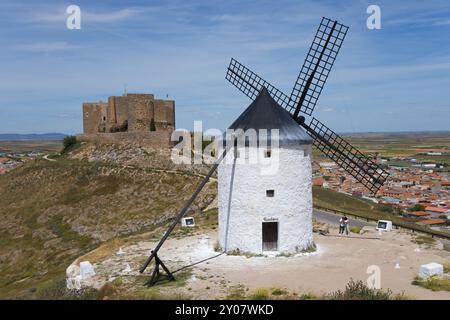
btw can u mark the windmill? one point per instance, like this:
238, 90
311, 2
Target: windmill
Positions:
303, 98
297, 106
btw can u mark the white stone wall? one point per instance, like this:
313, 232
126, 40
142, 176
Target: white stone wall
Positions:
243, 204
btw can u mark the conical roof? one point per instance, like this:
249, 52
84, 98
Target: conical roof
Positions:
265, 113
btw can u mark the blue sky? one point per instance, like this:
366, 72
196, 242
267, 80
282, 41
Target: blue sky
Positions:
393, 79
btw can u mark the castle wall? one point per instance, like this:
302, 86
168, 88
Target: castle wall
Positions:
94, 117
139, 112
244, 205
149, 139
164, 114
117, 111
135, 110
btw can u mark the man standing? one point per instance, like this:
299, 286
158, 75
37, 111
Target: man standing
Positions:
341, 225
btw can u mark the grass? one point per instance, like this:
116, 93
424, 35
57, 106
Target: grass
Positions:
355, 229
358, 290
53, 212
259, 294
433, 283
424, 240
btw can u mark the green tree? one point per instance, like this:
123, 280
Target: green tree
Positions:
68, 142
417, 207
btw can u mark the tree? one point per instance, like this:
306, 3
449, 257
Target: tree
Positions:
417, 207
68, 142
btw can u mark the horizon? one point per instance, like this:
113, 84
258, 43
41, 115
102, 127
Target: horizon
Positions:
390, 80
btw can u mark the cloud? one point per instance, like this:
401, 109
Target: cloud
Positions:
47, 46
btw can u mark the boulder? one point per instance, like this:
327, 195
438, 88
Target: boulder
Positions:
73, 277
431, 269
86, 270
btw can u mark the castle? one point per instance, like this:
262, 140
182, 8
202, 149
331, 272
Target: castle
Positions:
131, 112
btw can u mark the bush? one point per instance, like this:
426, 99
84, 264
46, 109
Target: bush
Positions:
433, 283
417, 207
259, 294
68, 142
358, 290
355, 229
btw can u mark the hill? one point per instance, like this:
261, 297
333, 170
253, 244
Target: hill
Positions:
53, 211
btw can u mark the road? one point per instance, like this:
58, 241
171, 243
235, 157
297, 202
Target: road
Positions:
333, 219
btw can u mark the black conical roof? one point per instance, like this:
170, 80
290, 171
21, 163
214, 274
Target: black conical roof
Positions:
265, 113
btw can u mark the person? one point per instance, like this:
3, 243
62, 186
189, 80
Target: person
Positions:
341, 225
345, 225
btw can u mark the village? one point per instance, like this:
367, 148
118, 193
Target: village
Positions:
418, 192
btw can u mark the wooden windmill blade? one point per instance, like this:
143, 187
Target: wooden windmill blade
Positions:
359, 166
317, 66
251, 84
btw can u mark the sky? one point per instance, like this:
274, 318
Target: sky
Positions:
396, 78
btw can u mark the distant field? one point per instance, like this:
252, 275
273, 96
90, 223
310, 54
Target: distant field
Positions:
45, 146
401, 144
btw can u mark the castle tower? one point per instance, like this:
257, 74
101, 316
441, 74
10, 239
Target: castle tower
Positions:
264, 210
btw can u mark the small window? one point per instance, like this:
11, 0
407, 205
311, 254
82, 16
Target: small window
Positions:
267, 153
270, 193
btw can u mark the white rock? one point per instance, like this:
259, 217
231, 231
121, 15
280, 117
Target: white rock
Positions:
86, 270
431, 269
73, 277
127, 269
397, 265
120, 251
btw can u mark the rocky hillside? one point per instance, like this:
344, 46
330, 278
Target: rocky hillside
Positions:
53, 211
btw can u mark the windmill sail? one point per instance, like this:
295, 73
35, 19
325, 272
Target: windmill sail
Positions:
317, 66
359, 166
303, 99
251, 84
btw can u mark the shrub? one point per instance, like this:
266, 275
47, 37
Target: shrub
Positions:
417, 207
279, 292
355, 229
433, 283
358, 290
69, 142
259, 294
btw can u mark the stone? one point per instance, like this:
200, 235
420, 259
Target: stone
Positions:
86, 270
73, 277
431, 269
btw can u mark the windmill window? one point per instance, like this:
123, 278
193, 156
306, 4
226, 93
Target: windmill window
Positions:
270, 193
268, 153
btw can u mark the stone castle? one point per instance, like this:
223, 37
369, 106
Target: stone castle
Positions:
132, 112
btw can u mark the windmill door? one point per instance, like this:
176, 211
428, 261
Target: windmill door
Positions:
270, 236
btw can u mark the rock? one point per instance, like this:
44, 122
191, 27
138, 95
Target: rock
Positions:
431, 269
73, 277
86, 270
127, 269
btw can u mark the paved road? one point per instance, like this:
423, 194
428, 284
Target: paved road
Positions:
333, 219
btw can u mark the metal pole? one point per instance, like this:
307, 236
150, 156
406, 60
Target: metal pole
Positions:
183, 210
